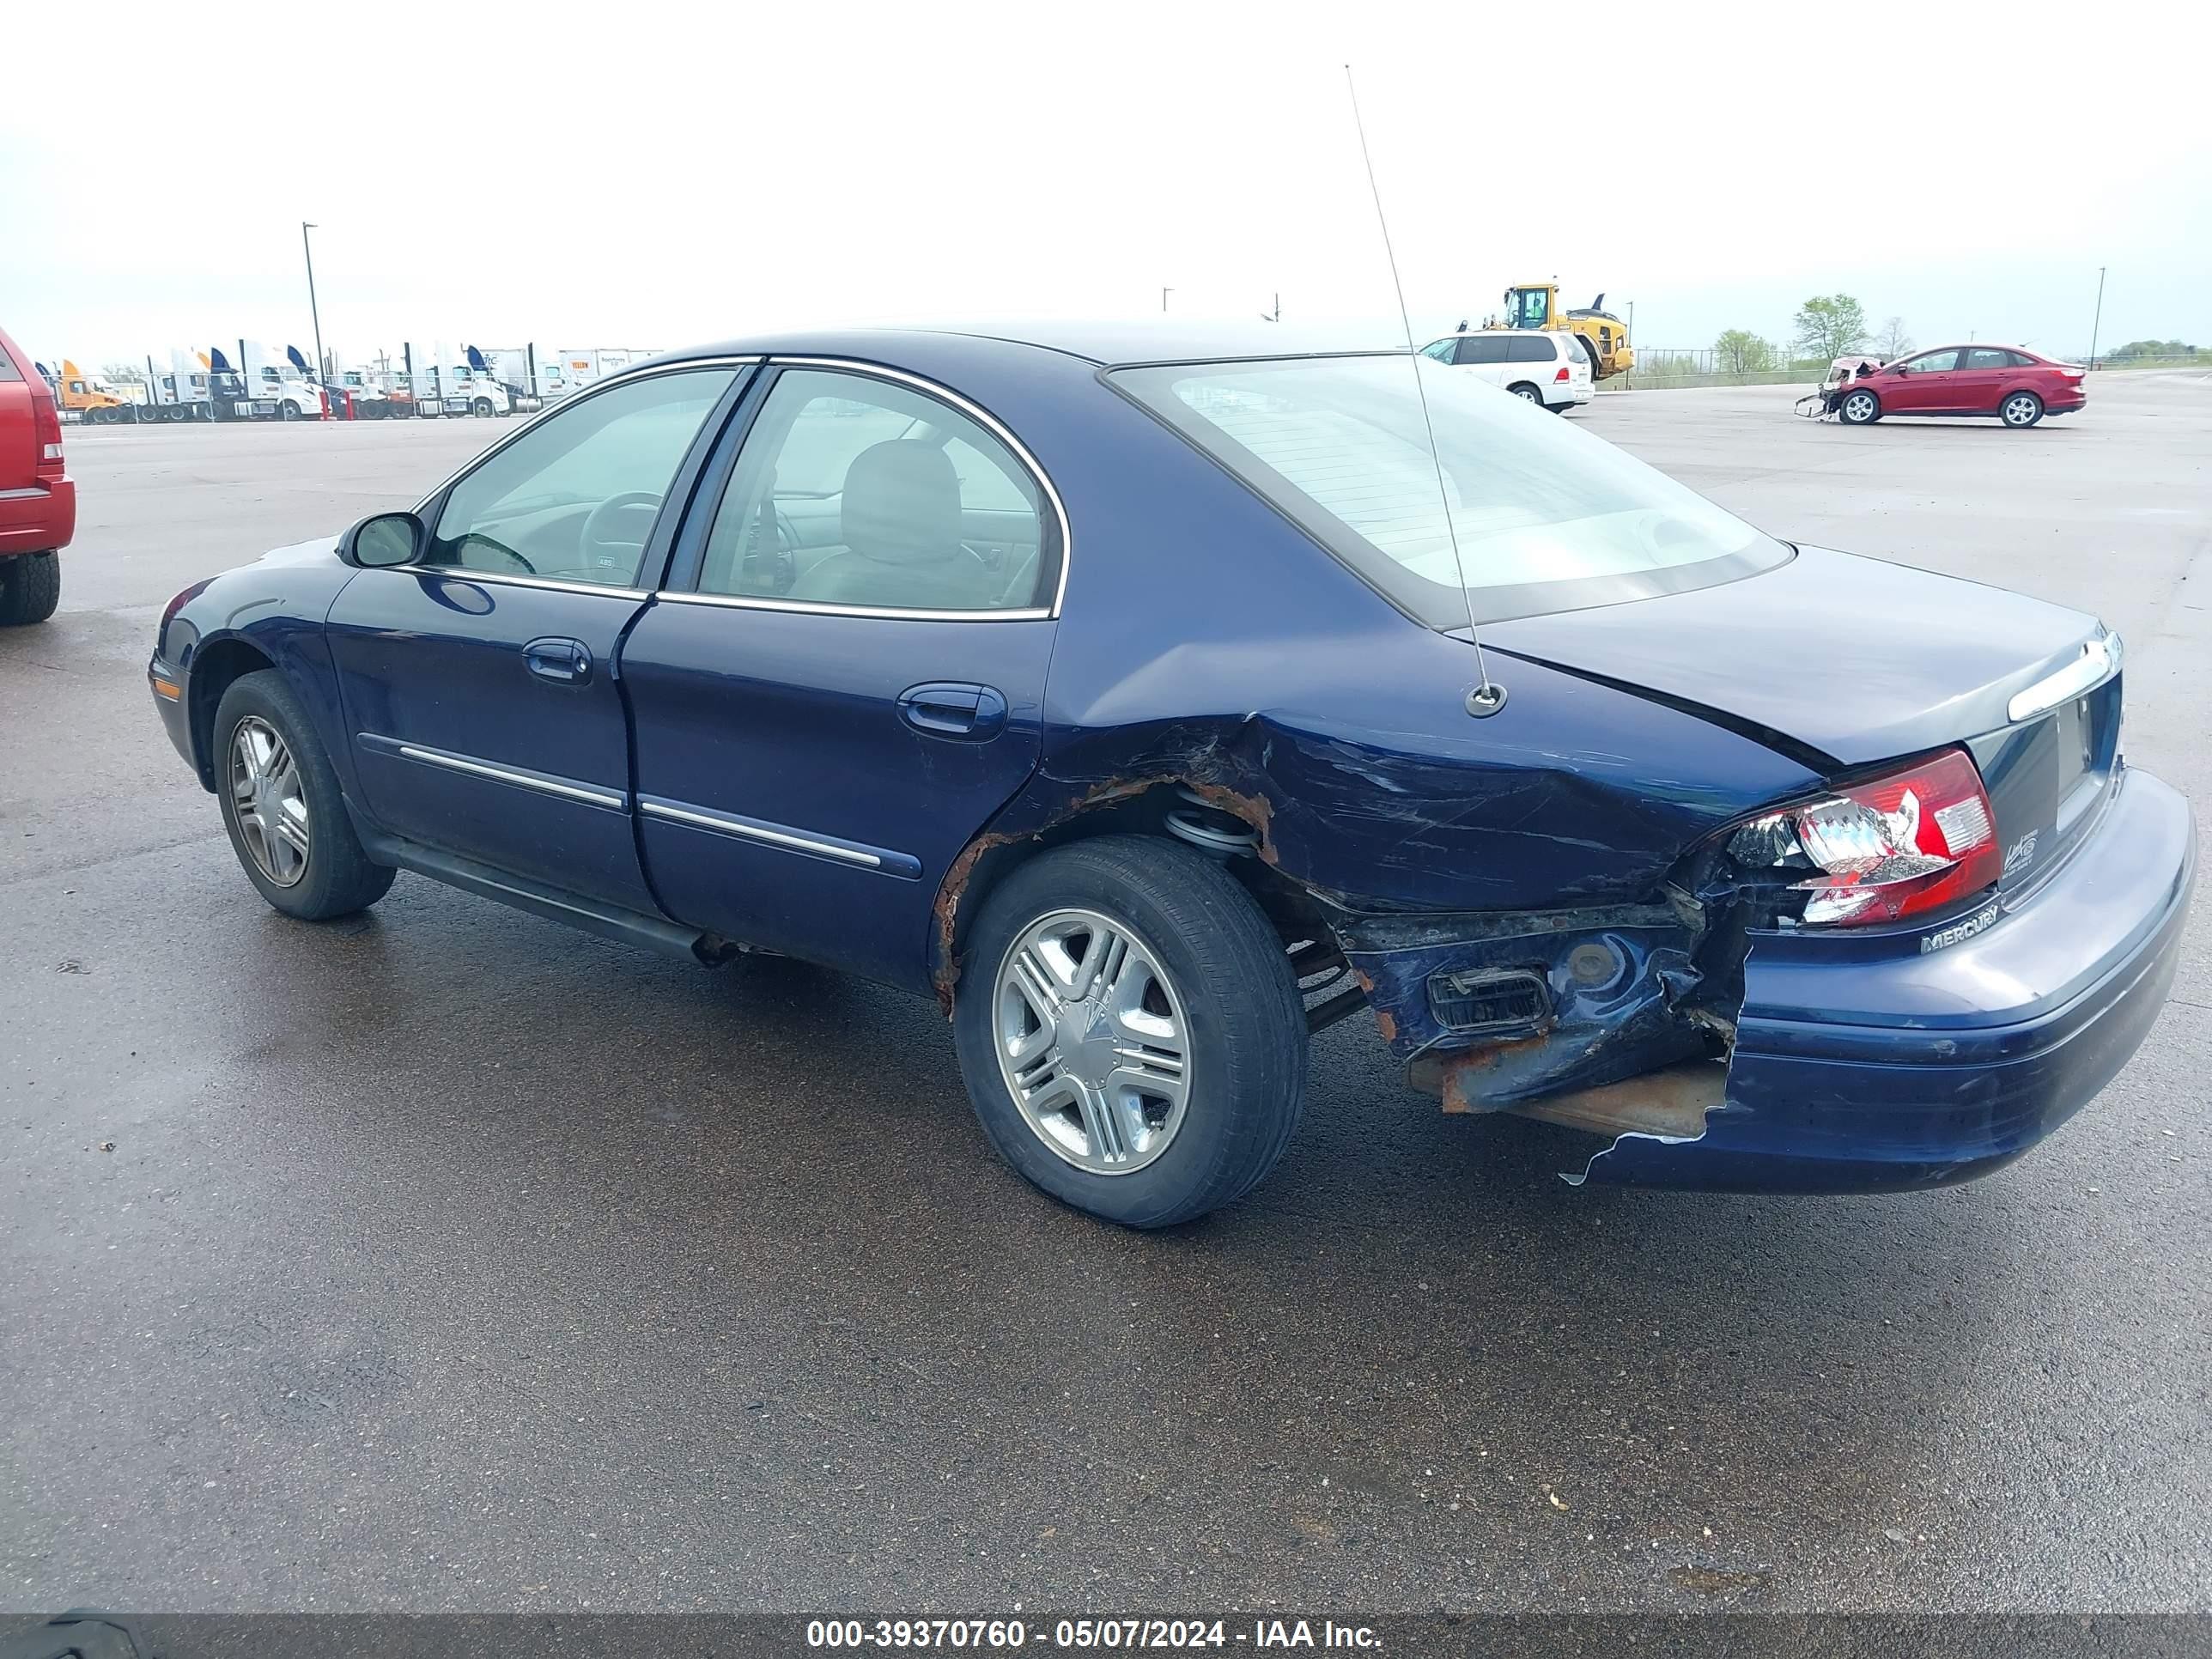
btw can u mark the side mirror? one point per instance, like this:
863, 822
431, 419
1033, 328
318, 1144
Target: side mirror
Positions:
385, 539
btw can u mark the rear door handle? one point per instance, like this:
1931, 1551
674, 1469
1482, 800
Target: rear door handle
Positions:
565, 661
957, 709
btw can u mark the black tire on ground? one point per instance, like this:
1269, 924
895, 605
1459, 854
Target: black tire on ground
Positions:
339, 879
482, 409
1525, 389
1866, 405
30, 588
1246, 1043
291, 411
2028, 406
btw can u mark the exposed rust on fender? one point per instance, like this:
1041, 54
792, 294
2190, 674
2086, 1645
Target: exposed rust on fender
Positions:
1387, 1025
1253, 810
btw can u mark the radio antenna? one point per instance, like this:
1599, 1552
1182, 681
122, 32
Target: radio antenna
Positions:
1487, 697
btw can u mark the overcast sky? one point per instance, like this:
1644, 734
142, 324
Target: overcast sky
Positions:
626, 174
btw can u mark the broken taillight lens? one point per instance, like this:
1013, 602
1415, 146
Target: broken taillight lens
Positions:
1913, 840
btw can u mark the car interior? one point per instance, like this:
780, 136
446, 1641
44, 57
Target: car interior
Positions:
855, 492
848, 491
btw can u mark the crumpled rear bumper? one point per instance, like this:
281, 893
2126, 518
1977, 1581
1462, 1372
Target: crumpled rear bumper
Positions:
1878, 1074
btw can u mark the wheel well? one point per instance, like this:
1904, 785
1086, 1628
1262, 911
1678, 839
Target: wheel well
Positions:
991, 858
1517, 386
213, 670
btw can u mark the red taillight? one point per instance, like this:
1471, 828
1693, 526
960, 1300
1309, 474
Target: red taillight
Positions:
1892, 846
46, 422
1563, 373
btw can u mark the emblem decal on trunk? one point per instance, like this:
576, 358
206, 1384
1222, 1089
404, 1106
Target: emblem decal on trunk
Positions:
2020, 853
1982, 919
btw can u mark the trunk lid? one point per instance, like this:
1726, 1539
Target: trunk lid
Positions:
1855, 658
1843, 662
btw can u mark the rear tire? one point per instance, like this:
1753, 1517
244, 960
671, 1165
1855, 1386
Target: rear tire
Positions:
30, 588
2020, 411
1188, 966
1525, 389
275, 765
1858, 408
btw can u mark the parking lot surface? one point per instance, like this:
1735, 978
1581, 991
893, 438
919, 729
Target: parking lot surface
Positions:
447, 1258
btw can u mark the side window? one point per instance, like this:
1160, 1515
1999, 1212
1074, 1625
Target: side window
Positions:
852, 490
2019, 359
1576, 349
1989, 358
1439, 349
1482, 348
574, 497
1933, 362
1530, 349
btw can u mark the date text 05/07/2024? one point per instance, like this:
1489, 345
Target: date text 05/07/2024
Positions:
1007, 1635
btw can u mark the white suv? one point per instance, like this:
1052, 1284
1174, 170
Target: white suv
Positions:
1547, 366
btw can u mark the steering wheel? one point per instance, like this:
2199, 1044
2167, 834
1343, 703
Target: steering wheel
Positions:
471, 540
604, 538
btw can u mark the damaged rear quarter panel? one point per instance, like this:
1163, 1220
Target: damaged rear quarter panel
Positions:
1290, 693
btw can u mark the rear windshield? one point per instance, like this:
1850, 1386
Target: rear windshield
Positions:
1548, 518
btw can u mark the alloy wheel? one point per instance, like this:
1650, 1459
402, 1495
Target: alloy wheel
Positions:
2019, 411
269, 801
1092, 1041
1859, 405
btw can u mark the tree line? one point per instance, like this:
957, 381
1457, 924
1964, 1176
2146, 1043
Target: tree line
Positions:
1827, 326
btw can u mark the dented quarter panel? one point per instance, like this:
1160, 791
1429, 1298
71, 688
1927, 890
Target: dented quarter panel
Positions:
1330, 720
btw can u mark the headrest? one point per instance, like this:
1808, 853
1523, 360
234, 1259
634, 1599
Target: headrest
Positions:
902, 503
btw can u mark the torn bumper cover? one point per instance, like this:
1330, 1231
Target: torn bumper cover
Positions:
1869, 1063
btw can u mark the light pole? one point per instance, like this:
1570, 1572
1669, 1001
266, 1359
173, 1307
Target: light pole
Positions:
1164, 297
321, 370
2099, 318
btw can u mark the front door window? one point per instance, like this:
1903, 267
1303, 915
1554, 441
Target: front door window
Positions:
574, 497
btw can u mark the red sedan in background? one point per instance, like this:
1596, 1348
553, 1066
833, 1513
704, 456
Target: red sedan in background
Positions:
2014, 385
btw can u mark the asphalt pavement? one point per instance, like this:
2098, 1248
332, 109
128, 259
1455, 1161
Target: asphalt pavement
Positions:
446, 1258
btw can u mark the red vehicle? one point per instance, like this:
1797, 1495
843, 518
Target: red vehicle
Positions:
38, 498
2015, 386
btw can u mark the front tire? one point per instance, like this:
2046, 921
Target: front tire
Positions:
1130, 1030
2021, 410
1859, 408
30, 588
291, 412
482, 409
282, 805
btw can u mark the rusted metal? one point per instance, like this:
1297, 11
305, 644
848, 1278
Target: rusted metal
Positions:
1253, 810
1671, 1101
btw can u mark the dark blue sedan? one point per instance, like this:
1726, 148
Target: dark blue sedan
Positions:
1121, 690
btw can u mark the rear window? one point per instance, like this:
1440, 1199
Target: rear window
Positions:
1547, 517
1530, 349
